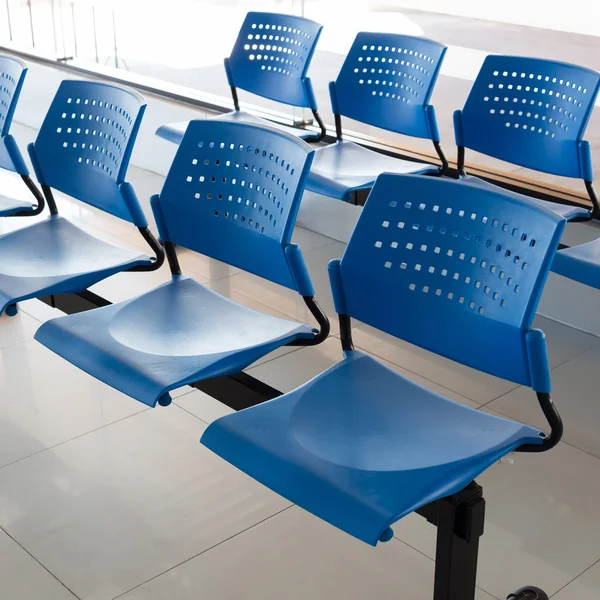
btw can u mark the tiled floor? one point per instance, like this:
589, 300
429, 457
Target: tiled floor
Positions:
101, 498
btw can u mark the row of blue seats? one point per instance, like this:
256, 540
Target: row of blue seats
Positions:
447, 265
527, 111
453, 266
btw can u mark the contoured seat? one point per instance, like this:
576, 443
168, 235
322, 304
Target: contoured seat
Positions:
232, 193
270, 58
386, 81
447, 266
12, 76
83, 150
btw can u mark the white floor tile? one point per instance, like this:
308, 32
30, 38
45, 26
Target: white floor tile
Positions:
585, 587
203, 406
223, 287
182, 391
13, 186
292, 370
40, 311
87, 214
297, 557
288, 301
468, 382
575, 392
146, 184
17, 329
563, 342
112, 509
44, 401
8, 224
215, 270
309, 240
209, 268
128, 285
22, 578
571, 302
542, 522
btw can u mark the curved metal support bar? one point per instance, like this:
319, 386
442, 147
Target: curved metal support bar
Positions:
442, 157
172, 258
50, 199
234, 97
460, 161
593, 194
324, 327
157, 263
555, 422
338, 127
319, 121
41, 204
346, 333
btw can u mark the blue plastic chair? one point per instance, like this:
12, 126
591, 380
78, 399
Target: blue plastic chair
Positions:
385, 81
82, 150
12, 76
534, 113
447, 266
270, 58
232, 193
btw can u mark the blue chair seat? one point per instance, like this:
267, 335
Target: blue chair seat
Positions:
564, 210
580, 263
10, 206
176, 334
55, 256
173, 132
361, 446
343, 167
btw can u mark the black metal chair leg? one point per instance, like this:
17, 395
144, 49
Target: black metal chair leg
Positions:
459, 520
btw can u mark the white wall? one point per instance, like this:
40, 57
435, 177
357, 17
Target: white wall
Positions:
577, 16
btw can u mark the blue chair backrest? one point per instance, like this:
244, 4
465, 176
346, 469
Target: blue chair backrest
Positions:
232, 193
271, 57
387, 80
85, 143
531, 112
12, 76
452, 268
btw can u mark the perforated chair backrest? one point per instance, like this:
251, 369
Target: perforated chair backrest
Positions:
12, 76
85, 143
271, 57
232, 193
387, 81
450, 267
531, 112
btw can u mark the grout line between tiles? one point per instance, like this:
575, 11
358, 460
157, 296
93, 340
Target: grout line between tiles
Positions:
73, 438
184, 393
501, 396
190, 413
433, 561
21, 343
564, 362
41, 564
562, 441
575, 578
264, 362
418, 374
205, 551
